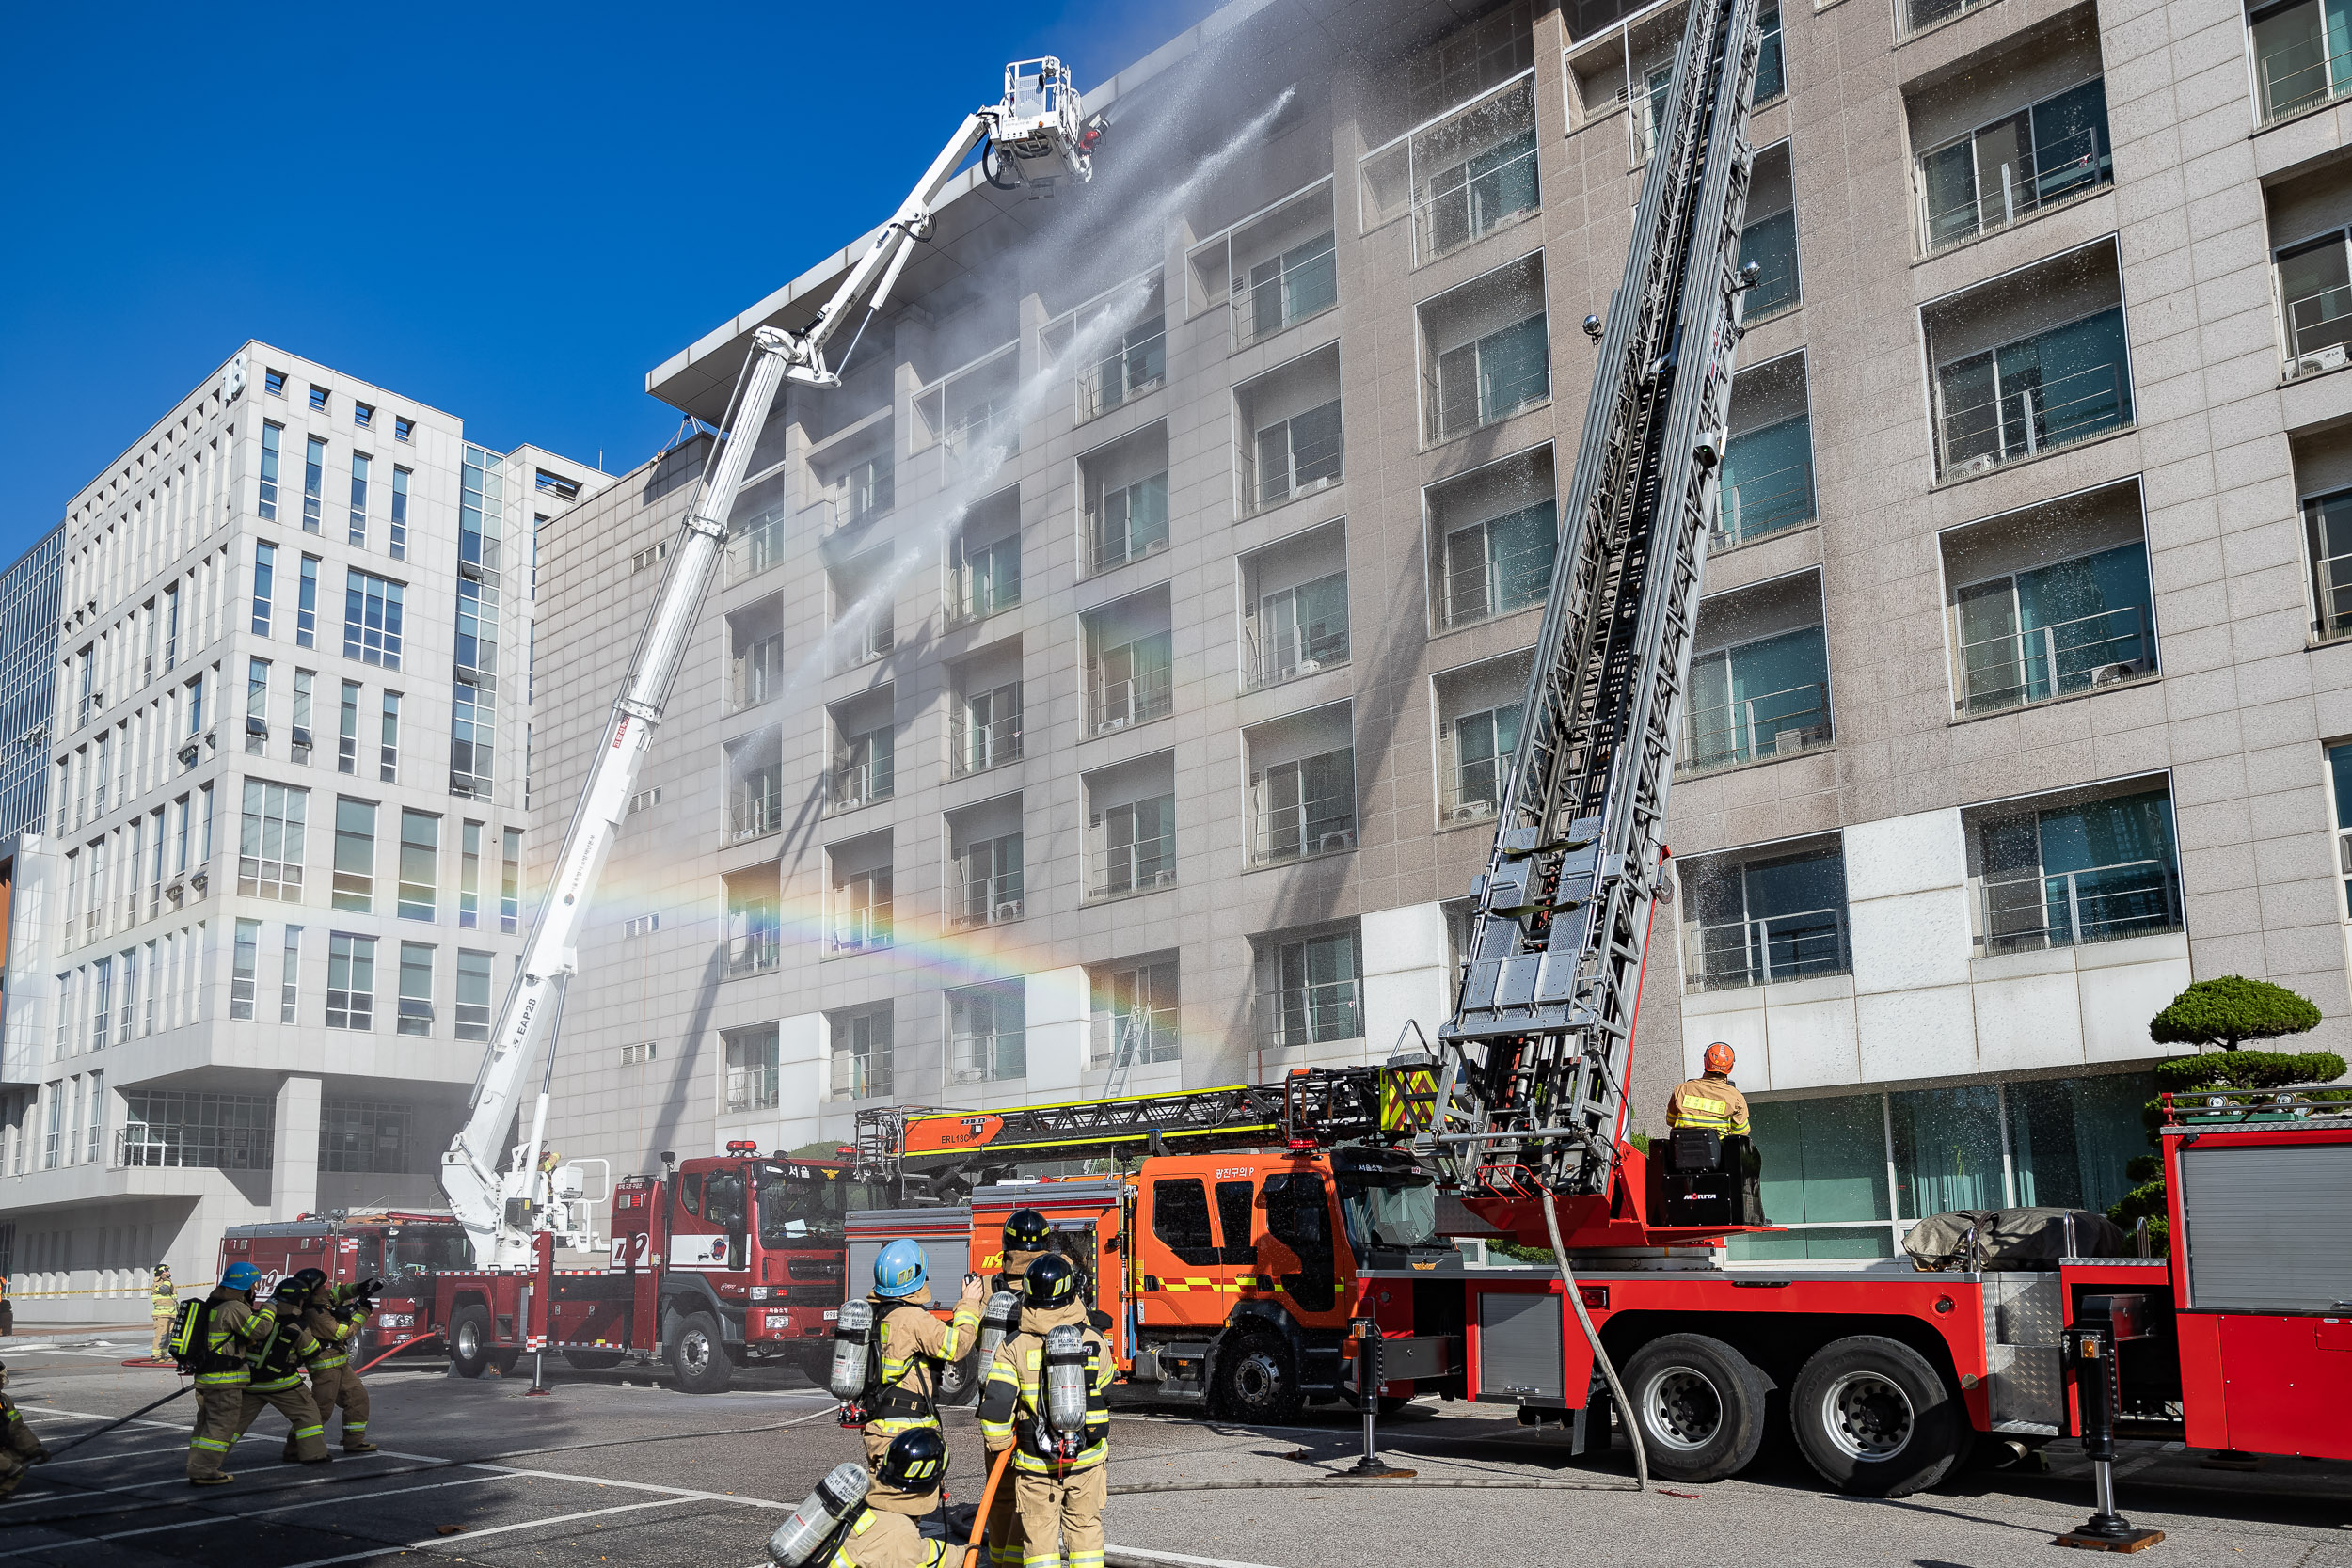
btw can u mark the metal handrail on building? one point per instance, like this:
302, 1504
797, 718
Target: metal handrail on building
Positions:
2292, 80
1474, 589
1314, 281
2033, 419
756, 545
756, 951
1772, 724
975, 748
2316, 323
2107, 647
757, 812
849, 787
1136, 867
1288, 656
2068, 166
1314, 1014
1764, 503
987, 1058
1325, 826
2071, 908
1136, 366
1459, 213
989, 900
1765, 950
1137, 700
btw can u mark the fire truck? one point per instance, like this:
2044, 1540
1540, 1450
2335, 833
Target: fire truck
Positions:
717, 1261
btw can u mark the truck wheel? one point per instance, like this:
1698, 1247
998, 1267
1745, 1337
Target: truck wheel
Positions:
1700, 1404
816, 1364
1874, 1418
469, 1340
1255, 1381
698, 1357
593, 1360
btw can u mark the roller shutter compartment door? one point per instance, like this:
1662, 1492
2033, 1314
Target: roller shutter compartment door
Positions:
2269, 1228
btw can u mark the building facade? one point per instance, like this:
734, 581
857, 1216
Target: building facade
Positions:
1108, 681
278, 894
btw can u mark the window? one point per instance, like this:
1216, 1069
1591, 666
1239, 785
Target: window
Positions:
1772, 78
862, 1054
415, 989
861, 909
1484, 745
347, 733
1130, 664
555, 484
511, 881
1307, 807
396, 542
244, 955
269, 842
470, 877
2302, 56
387, 750
983, 579
171, 627
650, 557
1299, 454
1764, 920
862, 771
987, 729
1762, 697
868, 487
1134, 848
219, 1132
318, 397
640, 1054
2028, 636
359, 498
2061, 385
1135, 1012
1767, 482
2075, 871
1491, 377
1312, 993
988, 1033
350, 981
404, 430
363, 415
988, 870
272, 437
300, 732
2016, 165
1275, 269
1475, 172
1298, 630
472, 740
419, 855
265, 571
1133, 364
1130, 522
305, 607
290, 975
752, 1063
1500, 565
1768, 242
313, 481
644, 800
372, 618
863, 617
365, 1138
256, 704
355, 855
275, 381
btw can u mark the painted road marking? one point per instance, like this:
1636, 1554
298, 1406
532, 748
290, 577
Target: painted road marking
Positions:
435, 1542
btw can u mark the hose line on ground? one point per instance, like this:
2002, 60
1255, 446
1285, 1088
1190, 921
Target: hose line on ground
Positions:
1342, 1481
1591, 1338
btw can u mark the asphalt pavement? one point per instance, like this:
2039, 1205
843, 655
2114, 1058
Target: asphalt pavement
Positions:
619, 1468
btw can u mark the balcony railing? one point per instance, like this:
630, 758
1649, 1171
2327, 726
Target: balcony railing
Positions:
2334, 573
988, 901
1916, 16
753, 814
987, 1058
1481, 587
991, 432
976, 748
866, 639
1311, 1015
2016, 668
1775, 724
1279, 302
1289, 655
1323, 827
2068, 908
1138, 699
2319, 328
1157, 1040
1472, 790
862, 930
1139, 365
849, 787
2069, 166
2034, 420
861, 1075
1767, 950
2301, 76
1484, 202
1137, 868
1764, 503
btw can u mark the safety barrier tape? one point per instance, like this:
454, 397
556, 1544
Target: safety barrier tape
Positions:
128, 1293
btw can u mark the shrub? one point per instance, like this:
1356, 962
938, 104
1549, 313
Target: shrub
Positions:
2230, 1009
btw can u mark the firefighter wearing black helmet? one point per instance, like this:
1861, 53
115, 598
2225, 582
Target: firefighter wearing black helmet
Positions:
1029, 1236
334, 1315
856, 1520
1044, 1400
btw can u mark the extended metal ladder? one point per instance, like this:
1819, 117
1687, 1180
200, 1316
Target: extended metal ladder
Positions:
1535, 1059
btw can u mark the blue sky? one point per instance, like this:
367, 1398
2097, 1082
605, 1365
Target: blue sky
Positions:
510, 211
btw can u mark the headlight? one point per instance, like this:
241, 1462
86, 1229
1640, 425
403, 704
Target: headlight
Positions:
760, 1292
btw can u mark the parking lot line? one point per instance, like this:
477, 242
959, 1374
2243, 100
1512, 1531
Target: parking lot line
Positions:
434, 1543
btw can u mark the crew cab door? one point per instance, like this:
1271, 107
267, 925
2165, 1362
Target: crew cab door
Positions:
1192, 1279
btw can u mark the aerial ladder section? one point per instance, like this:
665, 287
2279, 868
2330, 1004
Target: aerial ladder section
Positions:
1535, 1061
1034, 135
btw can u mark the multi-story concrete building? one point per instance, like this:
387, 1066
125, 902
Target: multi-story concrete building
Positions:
280, 891
1123, 653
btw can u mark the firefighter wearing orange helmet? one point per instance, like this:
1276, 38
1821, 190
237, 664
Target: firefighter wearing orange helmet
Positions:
1711, 1100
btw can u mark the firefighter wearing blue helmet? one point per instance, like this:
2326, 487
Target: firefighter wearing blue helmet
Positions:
913, 1345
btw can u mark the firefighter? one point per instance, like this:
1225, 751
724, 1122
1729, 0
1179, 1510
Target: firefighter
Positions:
234, 1331
163, 1300
905, 1489
1029, 1236
1711, 1101
1058, 1468
19, 1448
7, 1310
912, 1344
334, 1314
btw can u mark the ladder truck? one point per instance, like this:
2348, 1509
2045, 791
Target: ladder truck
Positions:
1254, 1249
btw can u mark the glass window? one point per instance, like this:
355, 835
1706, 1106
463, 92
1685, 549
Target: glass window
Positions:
1771, 71
1135, 1012
1494, 377
1133, 681
988, 1033
990, 875
265, 572
305, 606
355, 855
1314, 998
256, 704
1946, 1149
752, 1068
1767, 482
269, 841
288, 976
473, 995
1483, 746
396, 542
387, 750
2092, 871
1236, 1218
314, 480
1136, 846
272, 437
469, 876
2016, 165
347, 730
2056, 629
1769, 242
415, 989
1180, 1220
1762, 699
371, 607
359, 498
2071, 1138
419, 856
350, 981
862, 1054
2066, 383
511, 881
1299, 454
1765, 921
243, 956
1286, 289
986, 579
1298, 630
1131, 521
1499, 565
2302, 55
1306, 807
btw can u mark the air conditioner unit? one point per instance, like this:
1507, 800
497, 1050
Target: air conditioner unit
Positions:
1344, 839
2330, 358
2124, 669
1471, 811
1164, 878
1009, 910
1980, 464
1309, 666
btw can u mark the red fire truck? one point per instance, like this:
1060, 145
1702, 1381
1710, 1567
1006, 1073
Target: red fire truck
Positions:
716, 1261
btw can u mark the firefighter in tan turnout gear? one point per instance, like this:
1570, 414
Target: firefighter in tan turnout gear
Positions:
853, 1521
246, 1359
1029, 1236
912, 1345
162, 1300
19, 1448
334, 1315
1711, 1101
1044, 1400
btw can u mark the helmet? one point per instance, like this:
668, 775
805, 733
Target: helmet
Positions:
162, 1268
310, 1279
1050, 1282
240, 1276
917, 1462
1027, 1231
1719, 1057
900, 1269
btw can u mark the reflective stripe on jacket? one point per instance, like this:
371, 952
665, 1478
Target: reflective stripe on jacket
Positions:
234, 1327
914, 1346
335, 1332
1712, 1104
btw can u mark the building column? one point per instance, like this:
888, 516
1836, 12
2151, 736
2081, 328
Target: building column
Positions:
804, 1078
1407, 978
293, 1175
1058, 1014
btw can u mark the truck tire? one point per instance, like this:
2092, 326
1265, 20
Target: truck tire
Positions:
1256, 1381
595, 1360
469, 1340
1874, 1418
698, 1357
1700, 1404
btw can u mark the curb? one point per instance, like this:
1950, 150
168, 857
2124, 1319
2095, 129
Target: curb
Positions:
1137, 1556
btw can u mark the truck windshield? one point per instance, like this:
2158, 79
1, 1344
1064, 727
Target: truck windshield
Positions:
1392, 1216
423, 1251
799, 1210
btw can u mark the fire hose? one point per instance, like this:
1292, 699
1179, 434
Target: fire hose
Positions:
987, 1498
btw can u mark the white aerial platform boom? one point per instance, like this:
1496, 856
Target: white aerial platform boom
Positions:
1033, 137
